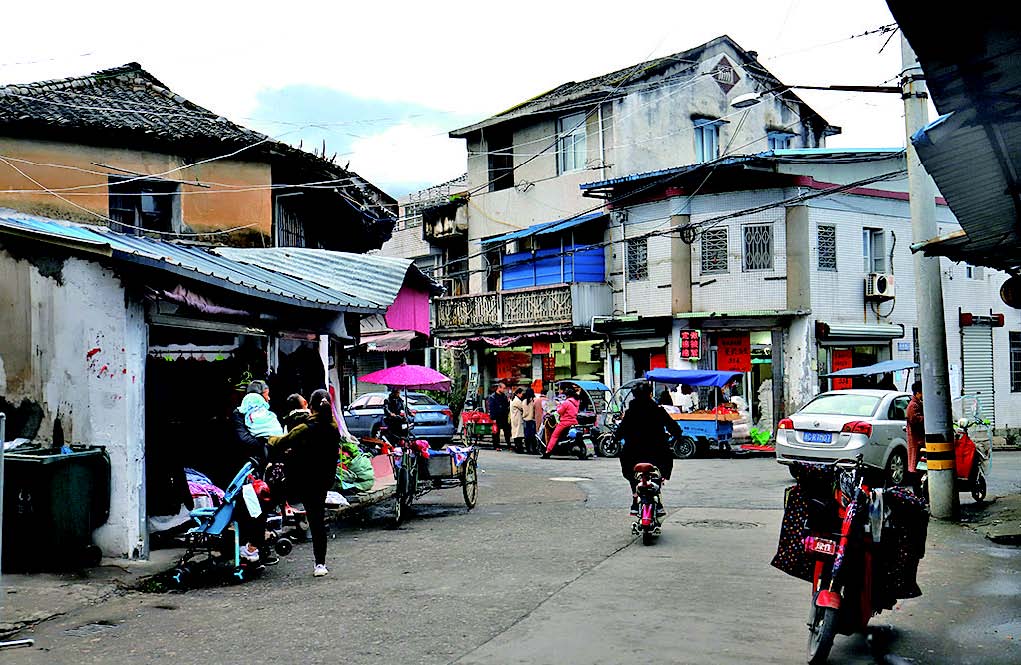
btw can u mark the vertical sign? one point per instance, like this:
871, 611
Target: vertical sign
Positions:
841, 359
734, 353
690, 346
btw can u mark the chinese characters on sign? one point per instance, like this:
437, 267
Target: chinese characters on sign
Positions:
691, 345
734, 353
842, 359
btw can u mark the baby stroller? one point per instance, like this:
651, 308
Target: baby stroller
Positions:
214, 544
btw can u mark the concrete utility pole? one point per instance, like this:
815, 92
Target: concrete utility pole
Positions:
932, 341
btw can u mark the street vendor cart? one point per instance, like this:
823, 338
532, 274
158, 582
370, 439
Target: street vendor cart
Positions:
702, 430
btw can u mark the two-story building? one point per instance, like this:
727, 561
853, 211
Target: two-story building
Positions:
154, 258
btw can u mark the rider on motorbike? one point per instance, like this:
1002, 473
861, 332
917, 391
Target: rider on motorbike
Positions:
643, 436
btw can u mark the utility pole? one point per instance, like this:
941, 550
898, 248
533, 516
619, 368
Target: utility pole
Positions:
932, 341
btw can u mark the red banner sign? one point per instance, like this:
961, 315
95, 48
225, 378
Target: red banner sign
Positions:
541, 348
841, 359
734, 353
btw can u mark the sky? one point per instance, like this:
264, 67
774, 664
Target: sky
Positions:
382, 83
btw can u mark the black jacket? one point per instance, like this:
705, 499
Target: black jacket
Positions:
246, 444
643, 431
498, 406
313, 450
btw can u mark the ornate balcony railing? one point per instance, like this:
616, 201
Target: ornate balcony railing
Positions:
560, 304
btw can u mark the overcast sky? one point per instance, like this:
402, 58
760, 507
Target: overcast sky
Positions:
383, 82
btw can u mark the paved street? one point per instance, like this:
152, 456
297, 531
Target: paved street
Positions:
545, 571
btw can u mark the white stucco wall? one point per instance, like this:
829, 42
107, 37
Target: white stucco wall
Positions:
86, 346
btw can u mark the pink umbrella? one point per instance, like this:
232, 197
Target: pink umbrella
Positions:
416, 377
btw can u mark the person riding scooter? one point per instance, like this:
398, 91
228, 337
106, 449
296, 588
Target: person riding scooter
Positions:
568, 412
642, 433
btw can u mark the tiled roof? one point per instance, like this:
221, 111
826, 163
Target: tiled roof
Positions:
127, 106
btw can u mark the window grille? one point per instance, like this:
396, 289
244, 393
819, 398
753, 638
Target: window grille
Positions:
637, 259
827, 248
714, 251
1015, 362
758, 247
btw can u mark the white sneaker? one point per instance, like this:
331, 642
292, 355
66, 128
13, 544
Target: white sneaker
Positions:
320, 571
249, 553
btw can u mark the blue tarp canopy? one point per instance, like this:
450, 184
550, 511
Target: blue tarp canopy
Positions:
885, 367
544, 228
586, 385
692, 377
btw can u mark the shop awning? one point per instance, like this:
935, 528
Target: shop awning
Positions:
636, 344
397, 340
187, 261
545, 228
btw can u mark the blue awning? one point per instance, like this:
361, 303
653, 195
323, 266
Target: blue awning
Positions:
692, 377
885, 367
586, 385
545, 227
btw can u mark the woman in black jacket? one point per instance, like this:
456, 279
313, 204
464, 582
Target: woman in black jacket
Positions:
312, 468
643, 436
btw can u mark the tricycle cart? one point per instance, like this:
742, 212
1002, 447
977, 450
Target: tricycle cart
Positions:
477, 427
592, 397
419, 471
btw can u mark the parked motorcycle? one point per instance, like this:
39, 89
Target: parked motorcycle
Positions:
972, 461
605, 440
647, 488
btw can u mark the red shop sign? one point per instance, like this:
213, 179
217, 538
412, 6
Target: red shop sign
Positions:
841, 359
734, 353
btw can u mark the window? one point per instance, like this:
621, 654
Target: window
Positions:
873, 244
827, 248
637, 259
1015, 362
973, 272
899, 408
707, 140
779, 140
290, 228
572, 152
501, 161
714, 251
758, 247
138, 206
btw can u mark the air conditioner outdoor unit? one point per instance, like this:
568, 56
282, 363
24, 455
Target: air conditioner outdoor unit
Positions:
878, 286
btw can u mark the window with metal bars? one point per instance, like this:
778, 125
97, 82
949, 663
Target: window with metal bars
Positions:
1015, 362
758, 246
714, 251
637, 259
828, 248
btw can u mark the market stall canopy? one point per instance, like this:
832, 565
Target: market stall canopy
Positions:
586, 385
885, 367
416, 377
692, 377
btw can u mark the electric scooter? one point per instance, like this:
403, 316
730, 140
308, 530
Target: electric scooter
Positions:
647, 489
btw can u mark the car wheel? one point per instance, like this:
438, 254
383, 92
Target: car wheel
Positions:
896, 468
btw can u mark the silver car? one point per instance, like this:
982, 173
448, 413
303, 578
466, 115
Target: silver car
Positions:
840, 424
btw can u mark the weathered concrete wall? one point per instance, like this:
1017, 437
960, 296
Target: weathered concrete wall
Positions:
60, 166
75, 344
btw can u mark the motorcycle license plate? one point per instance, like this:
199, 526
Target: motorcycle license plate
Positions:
823, 546
817, 437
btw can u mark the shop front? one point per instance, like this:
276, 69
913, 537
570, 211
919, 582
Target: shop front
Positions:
550, 361
842, 346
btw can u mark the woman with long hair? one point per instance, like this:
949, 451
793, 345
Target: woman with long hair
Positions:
312, 469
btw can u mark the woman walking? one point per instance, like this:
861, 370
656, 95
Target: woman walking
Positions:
517, 420
314, 447
528, 418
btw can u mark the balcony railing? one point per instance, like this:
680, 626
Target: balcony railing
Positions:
542, 306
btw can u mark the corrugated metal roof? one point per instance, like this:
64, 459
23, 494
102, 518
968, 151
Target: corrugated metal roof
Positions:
546, 227
372, 278
187, 261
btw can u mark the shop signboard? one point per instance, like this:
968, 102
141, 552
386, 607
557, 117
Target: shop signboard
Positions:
691, 346
734, 353
549, 370
841, 359
509, 364
541, 348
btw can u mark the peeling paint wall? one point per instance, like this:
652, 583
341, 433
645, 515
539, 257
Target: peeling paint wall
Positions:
76, 346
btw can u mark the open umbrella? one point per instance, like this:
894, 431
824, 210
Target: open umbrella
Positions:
415, 377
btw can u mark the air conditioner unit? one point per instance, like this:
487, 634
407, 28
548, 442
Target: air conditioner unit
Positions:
878, 286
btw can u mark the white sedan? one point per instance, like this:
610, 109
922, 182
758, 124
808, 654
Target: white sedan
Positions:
840, 424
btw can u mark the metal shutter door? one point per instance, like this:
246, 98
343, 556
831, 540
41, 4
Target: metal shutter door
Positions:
977, 367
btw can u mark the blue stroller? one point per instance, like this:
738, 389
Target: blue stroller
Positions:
211, 544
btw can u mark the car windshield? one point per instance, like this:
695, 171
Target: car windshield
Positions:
843, 404
421, 400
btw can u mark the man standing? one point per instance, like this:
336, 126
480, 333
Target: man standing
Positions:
916, 430
499, 410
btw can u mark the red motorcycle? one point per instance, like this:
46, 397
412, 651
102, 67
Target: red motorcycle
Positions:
858, 547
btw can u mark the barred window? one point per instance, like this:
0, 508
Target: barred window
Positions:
758, 247
637, 259
827, 248
714, 251
1015, 362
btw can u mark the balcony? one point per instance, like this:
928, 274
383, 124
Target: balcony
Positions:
534, 308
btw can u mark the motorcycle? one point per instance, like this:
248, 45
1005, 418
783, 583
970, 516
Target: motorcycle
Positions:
573, 442
647, 489
971, 461
606, 443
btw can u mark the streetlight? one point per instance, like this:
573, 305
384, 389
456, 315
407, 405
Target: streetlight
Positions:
752, 98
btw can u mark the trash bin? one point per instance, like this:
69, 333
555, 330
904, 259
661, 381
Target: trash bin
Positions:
52, 502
